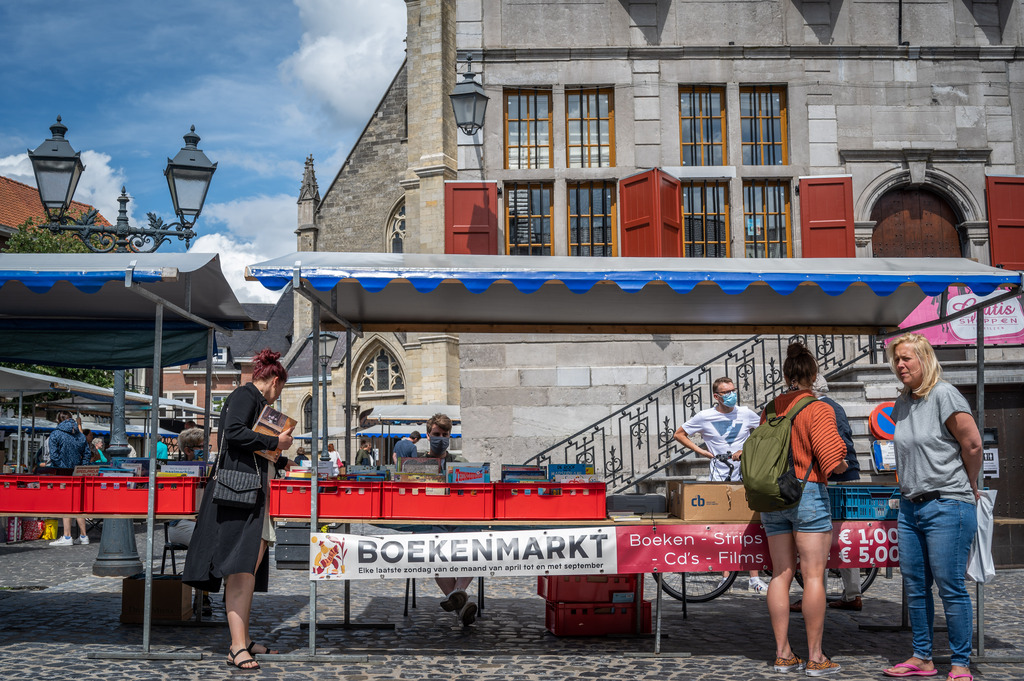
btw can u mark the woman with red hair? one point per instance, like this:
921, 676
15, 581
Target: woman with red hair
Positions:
230, 543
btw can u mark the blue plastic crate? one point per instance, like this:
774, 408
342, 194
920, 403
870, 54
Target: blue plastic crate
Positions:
865, 502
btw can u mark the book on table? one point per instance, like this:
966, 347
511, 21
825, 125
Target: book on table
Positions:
272, 422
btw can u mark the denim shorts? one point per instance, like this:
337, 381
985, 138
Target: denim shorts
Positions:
812, 514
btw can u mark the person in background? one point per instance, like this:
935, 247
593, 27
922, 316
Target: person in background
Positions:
724, 428
301, 459
162, 453
229, 544
68, 448
938, 460
439, 430
364, 457
851, 599
191, 443
406, 447
97, 450
806, 528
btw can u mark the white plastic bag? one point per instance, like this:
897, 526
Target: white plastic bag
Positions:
980, 566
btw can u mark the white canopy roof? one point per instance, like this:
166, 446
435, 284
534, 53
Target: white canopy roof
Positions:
519, 294
410, 413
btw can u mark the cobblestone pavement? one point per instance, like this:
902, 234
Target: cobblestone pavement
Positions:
54, 614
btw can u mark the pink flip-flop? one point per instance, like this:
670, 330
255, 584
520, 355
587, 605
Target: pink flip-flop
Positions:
912, 670
951, 677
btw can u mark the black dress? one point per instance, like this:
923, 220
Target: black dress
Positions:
226, 539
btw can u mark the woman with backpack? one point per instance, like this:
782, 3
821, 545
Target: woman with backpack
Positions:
806, 528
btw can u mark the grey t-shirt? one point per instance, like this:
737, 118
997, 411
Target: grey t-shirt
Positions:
927, 455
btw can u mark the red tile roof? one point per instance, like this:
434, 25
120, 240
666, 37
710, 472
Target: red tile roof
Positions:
19, 202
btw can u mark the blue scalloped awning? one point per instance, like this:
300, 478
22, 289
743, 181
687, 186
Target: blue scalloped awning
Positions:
417, 292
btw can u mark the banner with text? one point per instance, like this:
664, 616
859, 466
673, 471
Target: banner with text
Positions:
585, 550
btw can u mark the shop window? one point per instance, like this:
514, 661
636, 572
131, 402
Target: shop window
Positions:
528, 141
763, 124
528, 215
705, 219
381, 373
592, 218
590, 128
702, 125
766, 217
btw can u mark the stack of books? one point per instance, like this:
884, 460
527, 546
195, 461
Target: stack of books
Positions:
468, 472
416, 469
524, 473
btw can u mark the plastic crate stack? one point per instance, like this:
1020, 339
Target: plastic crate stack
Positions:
864, 502
593, 605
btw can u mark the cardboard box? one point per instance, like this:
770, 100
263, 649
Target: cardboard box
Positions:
172, 600
710, 501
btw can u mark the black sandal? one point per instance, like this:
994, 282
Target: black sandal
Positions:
251, 660
268, 650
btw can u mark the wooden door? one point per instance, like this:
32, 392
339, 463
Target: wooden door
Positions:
826, 217
651, 215
471, 217
914, 223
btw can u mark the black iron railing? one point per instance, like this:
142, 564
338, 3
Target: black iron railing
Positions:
635, 442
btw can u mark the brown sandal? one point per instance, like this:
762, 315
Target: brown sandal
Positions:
234, 663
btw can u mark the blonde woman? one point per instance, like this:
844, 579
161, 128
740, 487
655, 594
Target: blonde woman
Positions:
938, 458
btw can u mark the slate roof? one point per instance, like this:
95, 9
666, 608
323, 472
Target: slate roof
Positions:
277, 336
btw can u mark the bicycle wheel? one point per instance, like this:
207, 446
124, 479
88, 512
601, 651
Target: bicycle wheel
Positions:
834, 581
700, 586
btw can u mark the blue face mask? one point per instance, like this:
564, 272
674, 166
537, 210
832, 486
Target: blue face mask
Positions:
439, 445
730, 400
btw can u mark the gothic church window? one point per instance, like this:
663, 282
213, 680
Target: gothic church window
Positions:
381, 373
395, 239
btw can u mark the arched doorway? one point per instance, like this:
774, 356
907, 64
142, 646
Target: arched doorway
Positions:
914, 223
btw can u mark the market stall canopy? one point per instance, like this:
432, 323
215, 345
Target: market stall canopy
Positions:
388, 431
529, 294
26, 424
12, 379
409, 413
97, 310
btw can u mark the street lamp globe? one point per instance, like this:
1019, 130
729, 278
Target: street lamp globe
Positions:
327, 342
188, 178
469, 103
58, 168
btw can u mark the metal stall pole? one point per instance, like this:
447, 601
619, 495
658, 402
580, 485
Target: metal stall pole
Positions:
208, 410
980, 379
317, 457
158, 341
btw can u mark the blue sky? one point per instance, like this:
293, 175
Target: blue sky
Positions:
265, 82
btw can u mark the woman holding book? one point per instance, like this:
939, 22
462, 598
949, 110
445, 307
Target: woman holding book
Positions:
230, 543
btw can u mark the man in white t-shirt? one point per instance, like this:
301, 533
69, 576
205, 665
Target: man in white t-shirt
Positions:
724, 428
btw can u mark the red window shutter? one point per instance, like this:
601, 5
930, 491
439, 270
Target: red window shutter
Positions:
1005, 197
650, 210
826, 217
471, 218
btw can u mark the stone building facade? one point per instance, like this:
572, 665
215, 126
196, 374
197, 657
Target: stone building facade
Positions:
744, 105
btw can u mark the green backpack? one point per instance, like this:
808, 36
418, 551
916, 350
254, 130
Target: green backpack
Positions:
769, 477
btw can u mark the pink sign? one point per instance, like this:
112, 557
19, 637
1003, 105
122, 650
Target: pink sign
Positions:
1004, 322
699, 548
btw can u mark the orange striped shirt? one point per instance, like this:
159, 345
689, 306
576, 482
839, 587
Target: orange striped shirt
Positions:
813, 431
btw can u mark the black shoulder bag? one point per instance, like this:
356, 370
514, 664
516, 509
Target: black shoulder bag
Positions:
237, 489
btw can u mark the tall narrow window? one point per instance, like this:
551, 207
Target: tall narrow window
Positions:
766, 214
702, 125
381, 373
763, 123
590, 128
592, 218
528, 218
705, 219
307, 415
528, 129
395, 237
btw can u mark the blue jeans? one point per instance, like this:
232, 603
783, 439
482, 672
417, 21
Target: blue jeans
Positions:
935, 537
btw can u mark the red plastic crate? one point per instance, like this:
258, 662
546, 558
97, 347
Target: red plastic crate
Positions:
43, 494
589, 588
550, 501
290, 499
130, 496
595, 619
414, 500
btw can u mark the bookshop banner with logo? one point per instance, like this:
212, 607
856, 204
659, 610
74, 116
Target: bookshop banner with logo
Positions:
581, 550
1004, 322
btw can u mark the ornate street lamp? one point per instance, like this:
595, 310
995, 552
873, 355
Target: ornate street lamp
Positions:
469, 101
58, 168
326, 342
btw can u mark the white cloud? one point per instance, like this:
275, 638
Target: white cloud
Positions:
17, 168
234, 256
349, 53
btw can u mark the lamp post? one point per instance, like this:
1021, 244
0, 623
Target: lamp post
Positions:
58, 168
326, 343
469, 103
